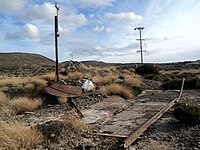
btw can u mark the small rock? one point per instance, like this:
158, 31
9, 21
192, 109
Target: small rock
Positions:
132, 148
52, 135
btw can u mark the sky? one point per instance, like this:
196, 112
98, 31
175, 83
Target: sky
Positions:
103, 30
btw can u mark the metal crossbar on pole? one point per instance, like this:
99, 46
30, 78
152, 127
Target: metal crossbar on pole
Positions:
140, 39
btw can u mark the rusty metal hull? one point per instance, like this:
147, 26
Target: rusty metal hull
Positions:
63, 90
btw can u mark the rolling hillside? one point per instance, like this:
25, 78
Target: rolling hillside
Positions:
20, 59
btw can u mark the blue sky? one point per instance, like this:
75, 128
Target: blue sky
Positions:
103, 30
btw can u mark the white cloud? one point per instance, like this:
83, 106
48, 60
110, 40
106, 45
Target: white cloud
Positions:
29, 31
108, 30
99, 28
10, 6
44, 11
179, 22
94, 3
74, 20
63, 31
129, 17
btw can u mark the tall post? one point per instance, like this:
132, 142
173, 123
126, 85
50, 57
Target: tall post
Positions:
140, 39
56, 43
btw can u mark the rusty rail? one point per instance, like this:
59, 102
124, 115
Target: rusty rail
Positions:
133, 136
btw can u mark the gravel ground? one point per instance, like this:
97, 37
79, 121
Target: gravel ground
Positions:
166, 133
169, 133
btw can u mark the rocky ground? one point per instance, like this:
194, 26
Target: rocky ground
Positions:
169, 133
166, 133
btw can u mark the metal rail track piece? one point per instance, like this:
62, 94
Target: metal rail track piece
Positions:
133, 136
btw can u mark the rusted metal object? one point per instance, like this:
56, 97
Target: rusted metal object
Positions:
105, 109
135, 134
63, 90
124, 123
73, 105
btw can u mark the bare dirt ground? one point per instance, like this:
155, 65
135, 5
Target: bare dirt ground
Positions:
166, 133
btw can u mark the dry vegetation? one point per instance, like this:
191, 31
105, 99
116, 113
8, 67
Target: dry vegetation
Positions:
104, 80
132, 80
24, 104
116, 89
75, 75
51, 77
105, 69
16, 135
3, 98
16, 81
73, 121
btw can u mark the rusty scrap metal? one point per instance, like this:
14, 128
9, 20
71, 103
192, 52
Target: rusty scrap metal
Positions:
105, 109
122, 124
63, 90
133, 136
73, 105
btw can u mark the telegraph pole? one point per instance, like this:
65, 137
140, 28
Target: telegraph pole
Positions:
56, 42
140, 39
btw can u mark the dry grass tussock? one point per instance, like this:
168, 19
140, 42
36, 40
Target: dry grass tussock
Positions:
16, 135
73, 121
134, 80
106, 69
104, 80
24, 104
3, 99
6, 113
51, 77
75, 75
116, 89
157, 145
16, 81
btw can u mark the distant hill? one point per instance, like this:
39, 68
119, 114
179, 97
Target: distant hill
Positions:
90, 63
20, 59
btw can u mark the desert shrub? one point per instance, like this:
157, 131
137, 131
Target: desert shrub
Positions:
146, 69
126, 71
24, 104
136, 90
193, 83
187, 114
116, 89
100, 69
48, 77
172, 84
13, 81
160, 77
6, 113
3, 98
74, 122
75, 75
133, 80
113, 68
104, 80
16, 81
16, 135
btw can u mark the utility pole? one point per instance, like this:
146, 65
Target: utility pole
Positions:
140, 39
56, 42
